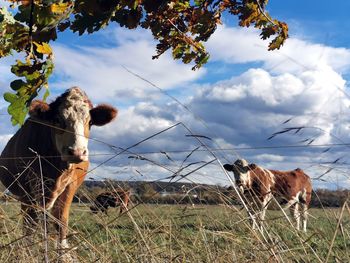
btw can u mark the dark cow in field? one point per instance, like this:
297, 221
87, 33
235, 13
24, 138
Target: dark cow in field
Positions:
111, 199
261, 185
48, 156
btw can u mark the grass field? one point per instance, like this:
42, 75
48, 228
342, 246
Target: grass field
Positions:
179, 233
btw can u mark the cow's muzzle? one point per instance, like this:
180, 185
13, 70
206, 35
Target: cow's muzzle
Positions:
240, 186
75, 155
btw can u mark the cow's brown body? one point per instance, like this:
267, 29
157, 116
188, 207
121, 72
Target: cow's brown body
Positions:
49, 155
111, 199
261, 185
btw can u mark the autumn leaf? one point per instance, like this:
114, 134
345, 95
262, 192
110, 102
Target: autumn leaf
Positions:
43, 48
60, 8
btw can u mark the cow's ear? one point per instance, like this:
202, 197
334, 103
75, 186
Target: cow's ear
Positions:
228, 167
39, 109
252, 166
102, 114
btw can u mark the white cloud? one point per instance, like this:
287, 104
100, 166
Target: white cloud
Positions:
130, 123
242, 45
260, 110
4, 138
269, 158
243, 121
100, 70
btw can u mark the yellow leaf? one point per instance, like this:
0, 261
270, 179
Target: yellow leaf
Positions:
43, 48
59, 8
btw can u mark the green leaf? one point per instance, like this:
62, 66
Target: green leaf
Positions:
46, 94
17, 108
36, 76
17, 84
9, 97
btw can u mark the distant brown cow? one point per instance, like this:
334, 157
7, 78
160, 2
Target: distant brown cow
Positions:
293, 187
111, 199
49, 155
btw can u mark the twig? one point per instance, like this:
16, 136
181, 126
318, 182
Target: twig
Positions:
46, 246
336, 231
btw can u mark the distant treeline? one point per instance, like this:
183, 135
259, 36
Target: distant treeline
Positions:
329, 198
188, 193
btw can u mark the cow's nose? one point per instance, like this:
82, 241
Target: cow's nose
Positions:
78, 153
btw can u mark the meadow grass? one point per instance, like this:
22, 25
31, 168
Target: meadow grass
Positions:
180, 233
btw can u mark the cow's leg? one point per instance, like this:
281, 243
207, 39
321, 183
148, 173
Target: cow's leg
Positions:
61, 214
253, 219
304, 215
264, 205
63, 203
105, 210
295, 213
291, 203
123, 205
291, 210
252, 212
263, 214
94, 208
256, 218
60, 186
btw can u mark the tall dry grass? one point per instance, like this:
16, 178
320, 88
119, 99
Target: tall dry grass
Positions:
179, 233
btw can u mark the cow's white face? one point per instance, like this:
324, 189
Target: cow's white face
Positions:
241, 173
244, 181
73, 119
72, 115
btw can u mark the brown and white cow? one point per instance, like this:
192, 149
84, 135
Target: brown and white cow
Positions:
111, 199
293, 187
48, 156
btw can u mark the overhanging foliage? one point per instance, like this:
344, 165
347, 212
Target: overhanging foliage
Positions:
179, 25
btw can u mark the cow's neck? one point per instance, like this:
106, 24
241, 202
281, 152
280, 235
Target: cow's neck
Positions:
42, 141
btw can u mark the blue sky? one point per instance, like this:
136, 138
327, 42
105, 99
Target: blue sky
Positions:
239, 99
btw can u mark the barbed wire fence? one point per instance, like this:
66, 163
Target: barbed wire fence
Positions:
266, 238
